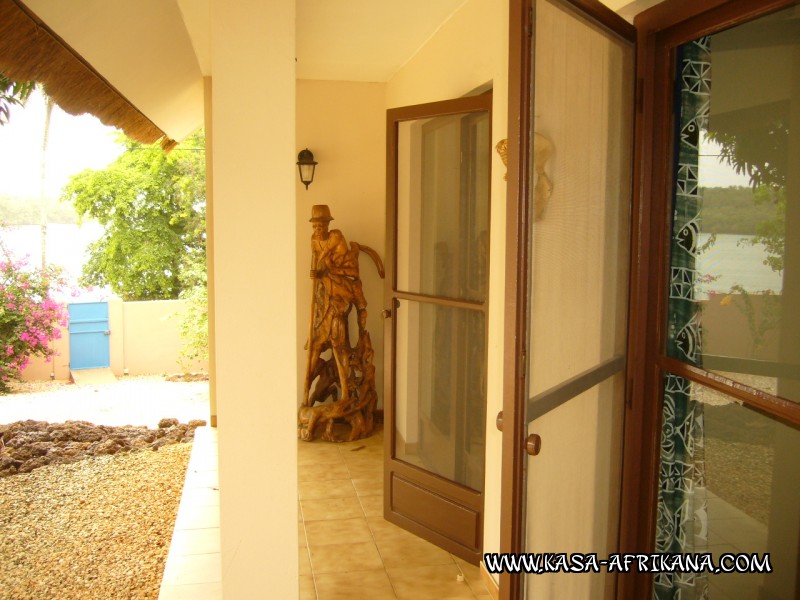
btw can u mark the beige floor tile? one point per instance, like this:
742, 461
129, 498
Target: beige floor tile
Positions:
197, 517
202, 465
196, 568
332, 508
368, 487
383, 530
362, 585
332, 488
471, 572
479, 589
200, 496
343, 558
307, 589
337, 531
428, 583
301, 535
372, 505
192, 591
353, 447
317, 448
363, 453
195, 541
322, 471
365, 469
204, 479
414, 552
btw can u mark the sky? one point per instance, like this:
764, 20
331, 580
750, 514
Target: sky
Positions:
75, 144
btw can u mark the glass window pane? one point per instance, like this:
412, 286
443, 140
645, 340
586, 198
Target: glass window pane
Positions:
441, 390
735, 248
728, 484
443, 206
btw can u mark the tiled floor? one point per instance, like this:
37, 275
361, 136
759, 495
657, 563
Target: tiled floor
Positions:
347, 550
193, 570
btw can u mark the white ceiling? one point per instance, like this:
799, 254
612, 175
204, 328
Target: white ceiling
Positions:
155, 52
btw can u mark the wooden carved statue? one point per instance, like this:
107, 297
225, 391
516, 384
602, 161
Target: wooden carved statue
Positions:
344, 379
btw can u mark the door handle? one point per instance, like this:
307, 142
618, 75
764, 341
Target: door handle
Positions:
386, 313
498, 422
107, 332
533, 444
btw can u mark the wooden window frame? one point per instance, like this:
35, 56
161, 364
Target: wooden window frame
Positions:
659, 31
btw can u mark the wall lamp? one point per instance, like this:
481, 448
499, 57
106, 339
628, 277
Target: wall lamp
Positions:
306, 165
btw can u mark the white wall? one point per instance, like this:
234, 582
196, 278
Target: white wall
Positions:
344, 124
468, 52
255, 272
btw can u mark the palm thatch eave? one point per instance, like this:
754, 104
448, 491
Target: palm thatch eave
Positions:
31, 51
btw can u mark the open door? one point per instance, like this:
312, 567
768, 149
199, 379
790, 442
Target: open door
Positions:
438, 175
568, 270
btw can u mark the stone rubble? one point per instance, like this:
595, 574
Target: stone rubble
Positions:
28, 445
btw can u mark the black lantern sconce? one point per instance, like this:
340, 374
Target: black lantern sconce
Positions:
306, 165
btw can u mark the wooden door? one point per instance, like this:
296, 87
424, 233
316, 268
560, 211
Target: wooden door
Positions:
436, 296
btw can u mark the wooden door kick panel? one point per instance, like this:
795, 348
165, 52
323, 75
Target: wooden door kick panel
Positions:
441, 515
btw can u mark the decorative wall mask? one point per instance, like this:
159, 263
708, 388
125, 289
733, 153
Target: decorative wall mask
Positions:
543, 188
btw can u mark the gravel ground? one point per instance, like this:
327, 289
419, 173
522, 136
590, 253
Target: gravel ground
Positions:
99, 528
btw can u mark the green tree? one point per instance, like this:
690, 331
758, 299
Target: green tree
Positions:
759, 148
12, 93
152, 206
194, 323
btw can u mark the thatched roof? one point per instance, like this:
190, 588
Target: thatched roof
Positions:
31, 51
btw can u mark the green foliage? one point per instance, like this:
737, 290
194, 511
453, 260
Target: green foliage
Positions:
772, 232
152, 206
12, 93
759, 322
757, 146
194, 324
29, 317
758, 212
731, 210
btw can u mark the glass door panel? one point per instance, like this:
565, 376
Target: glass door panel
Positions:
440, 390
728, 485
443, 206
579, 271
735, 269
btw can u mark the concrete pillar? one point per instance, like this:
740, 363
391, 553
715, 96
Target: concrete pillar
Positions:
254, 272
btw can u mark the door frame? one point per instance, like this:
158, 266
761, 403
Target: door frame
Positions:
673, 19
422, 486
659, 30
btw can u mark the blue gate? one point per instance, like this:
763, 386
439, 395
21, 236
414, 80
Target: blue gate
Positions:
88, 336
